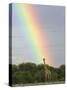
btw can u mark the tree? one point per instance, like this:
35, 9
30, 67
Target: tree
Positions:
27, 67
14, 68
62, 72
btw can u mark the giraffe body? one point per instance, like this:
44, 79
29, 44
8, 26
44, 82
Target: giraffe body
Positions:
47, 72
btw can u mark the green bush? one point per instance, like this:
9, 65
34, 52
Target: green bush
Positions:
32, 73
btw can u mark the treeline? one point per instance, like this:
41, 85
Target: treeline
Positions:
32, 73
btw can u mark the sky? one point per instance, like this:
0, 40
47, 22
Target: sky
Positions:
52, 20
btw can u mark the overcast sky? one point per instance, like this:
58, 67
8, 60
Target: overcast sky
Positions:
53, 19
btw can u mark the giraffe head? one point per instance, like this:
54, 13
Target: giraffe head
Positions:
44, 60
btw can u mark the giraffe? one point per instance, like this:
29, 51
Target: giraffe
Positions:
47, 72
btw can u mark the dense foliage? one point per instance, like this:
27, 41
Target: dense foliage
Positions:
32, 73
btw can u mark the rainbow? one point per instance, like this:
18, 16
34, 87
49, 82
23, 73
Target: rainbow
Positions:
38, 43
